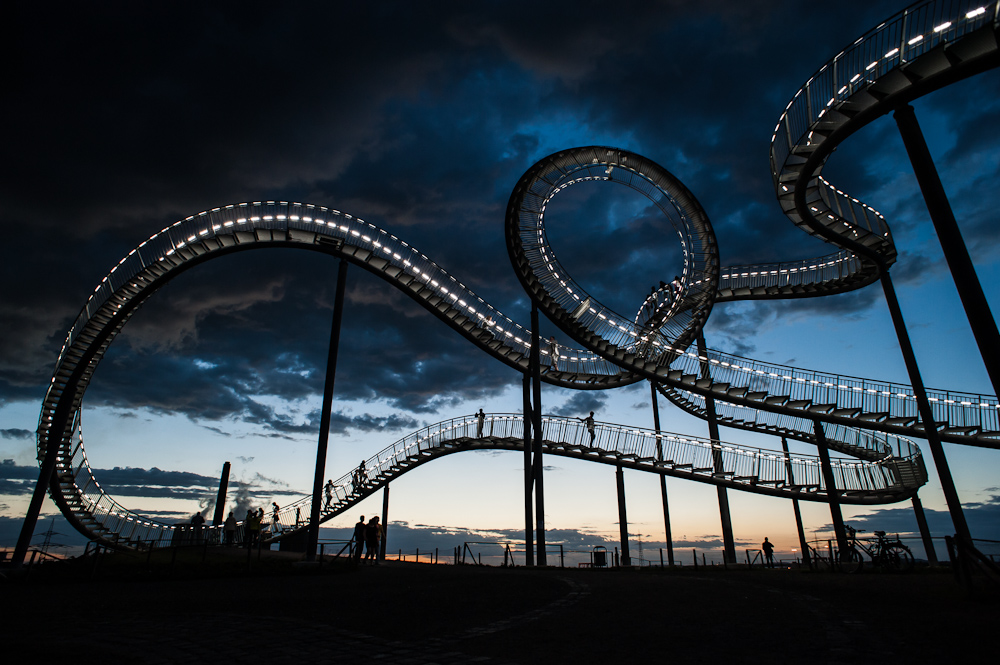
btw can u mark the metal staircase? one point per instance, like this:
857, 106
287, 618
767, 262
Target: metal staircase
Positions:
881, 478
860, 84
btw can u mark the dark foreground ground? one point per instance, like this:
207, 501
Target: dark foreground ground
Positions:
219, 612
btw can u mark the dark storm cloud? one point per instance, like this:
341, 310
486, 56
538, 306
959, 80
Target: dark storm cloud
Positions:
417, 119
983, 518
16, 479
580, 404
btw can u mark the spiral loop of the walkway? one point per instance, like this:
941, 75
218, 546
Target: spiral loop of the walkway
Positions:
618, 350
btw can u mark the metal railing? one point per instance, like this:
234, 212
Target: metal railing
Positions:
957, 409
692, 457
835, 267
904, 37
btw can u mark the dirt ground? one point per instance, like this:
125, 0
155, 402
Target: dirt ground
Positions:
190, 611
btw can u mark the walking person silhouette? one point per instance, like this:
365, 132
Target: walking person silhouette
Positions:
328, 490
589, 420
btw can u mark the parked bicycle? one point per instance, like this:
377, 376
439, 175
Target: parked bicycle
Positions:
887, 555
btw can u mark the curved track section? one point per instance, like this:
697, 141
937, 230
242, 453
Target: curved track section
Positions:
894, 476
923, 48
863, 82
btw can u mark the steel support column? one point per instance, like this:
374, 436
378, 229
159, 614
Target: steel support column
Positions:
529, 522
45, 477
385, 522
925, 533
220, 499
663, 477
926, 415
626, 560
833, 496
324, 423
977, 308
803, 545
536, 418
729, 544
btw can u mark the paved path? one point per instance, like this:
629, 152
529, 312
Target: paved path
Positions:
422, 614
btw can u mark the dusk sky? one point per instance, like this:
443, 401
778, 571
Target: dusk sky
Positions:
420, 118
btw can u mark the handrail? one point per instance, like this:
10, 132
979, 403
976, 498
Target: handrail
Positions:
616, 350
743, 467
844, 95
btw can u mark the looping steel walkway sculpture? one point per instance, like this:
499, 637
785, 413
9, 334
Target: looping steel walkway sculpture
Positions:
866, 419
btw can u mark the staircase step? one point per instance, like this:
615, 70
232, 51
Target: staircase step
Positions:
822, 408
798, 403
972, 429
849, 412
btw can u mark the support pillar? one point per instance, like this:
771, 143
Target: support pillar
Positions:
324, 423
803, 544
626, 560
220, 500
385, 522
663, 477
529, 520
925, 533
977, 308
832, 494
536, 417
729, 544
926, 415
45, 477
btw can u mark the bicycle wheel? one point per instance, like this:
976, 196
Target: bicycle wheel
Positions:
850, 561
898, 557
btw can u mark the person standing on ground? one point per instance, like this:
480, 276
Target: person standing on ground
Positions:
253, 524
768, 552
359, 538
373, 534
199, 522
229, 527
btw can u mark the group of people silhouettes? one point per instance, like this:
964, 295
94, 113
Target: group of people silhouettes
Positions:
367, 539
